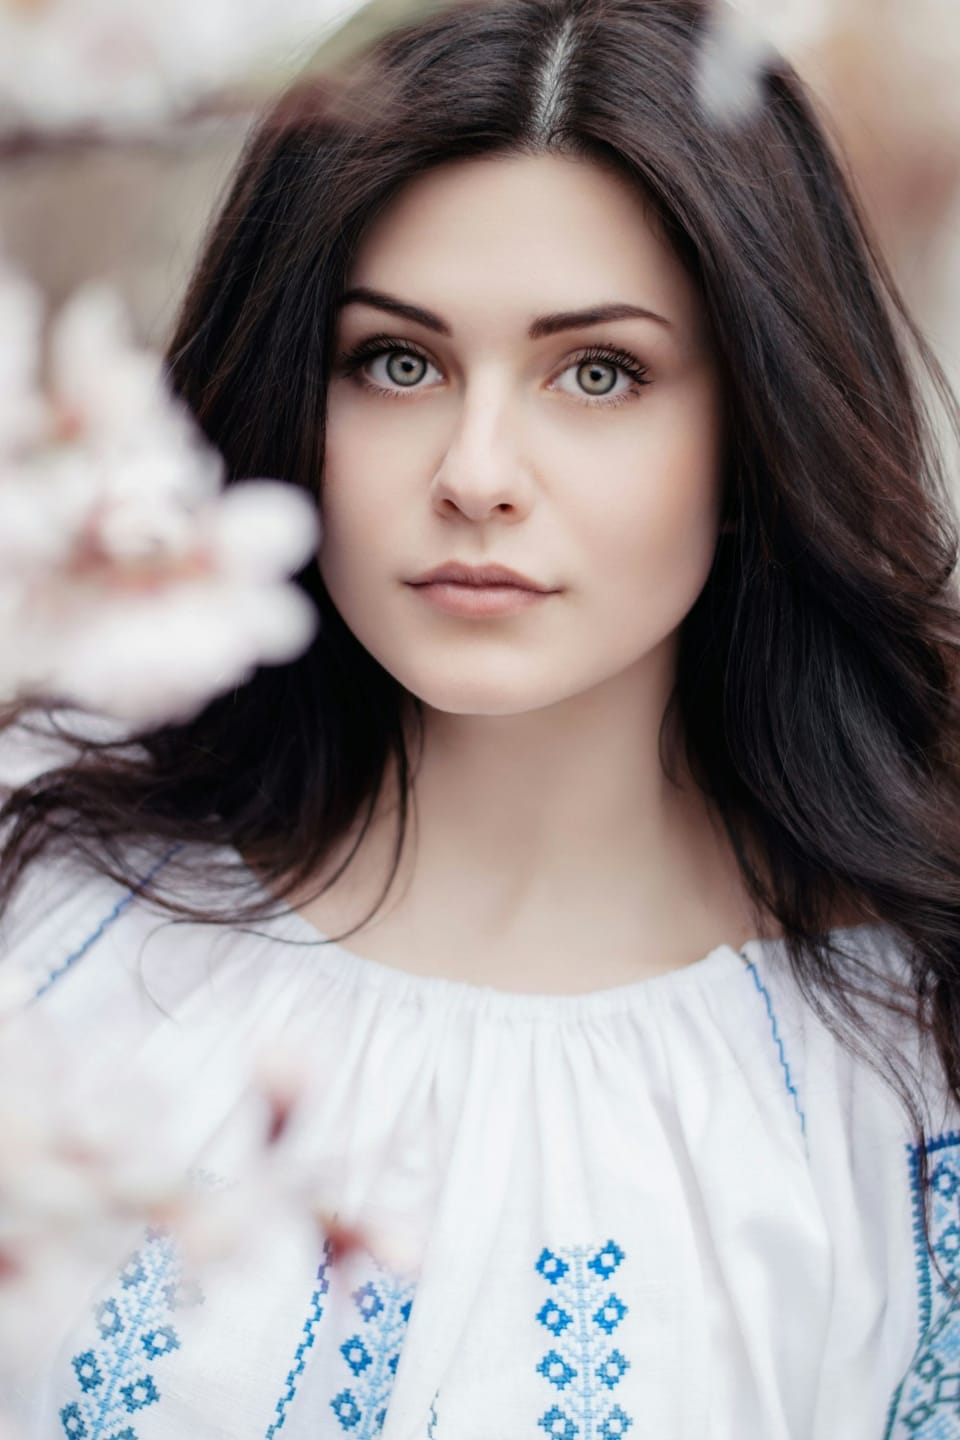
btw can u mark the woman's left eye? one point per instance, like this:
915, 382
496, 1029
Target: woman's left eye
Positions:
596, 373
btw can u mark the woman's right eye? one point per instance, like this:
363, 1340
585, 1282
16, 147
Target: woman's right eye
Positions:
388, 369
403, 368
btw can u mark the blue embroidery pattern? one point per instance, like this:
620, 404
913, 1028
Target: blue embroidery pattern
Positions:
581, 1314
791, 1088
115, 1374
372, 1353
926, 1403
306, 1342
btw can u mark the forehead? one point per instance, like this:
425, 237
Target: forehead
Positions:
482, 240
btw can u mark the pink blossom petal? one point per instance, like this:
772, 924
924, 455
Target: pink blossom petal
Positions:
113, 387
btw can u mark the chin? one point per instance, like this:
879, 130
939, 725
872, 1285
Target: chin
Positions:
477, 699
482, 707
459, 687
477, 694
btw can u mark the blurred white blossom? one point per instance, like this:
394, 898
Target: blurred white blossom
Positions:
741, 37
129, 64
132, 582
73, 1176
82, 1178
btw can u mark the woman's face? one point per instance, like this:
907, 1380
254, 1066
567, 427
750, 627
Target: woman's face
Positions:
506, 409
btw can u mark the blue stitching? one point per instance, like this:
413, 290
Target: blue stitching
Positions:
580, 1358
55, 975
104, 925
306, 1343
776, 1035
934, 1365
385, 1309
115, 1373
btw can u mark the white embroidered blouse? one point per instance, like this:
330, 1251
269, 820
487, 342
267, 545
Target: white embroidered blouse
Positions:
673, 1210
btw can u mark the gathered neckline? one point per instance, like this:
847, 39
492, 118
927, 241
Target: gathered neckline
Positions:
492, 1000
407, 986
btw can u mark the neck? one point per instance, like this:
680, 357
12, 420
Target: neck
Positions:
529, 804
553, 827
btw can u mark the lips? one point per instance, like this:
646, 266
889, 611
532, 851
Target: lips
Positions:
455, 573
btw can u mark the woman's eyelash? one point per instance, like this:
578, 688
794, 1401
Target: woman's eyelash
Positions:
624, 361
376, 345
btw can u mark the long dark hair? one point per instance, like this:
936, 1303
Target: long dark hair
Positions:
815, 694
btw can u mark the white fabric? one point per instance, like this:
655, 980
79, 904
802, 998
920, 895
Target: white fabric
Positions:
716, 1193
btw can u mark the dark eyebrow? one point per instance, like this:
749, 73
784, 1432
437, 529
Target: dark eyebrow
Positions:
542, 326
596, 315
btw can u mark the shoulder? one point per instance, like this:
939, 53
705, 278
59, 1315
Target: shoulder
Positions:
42, 740
118, 964
862, 1065
59, 912
58, 902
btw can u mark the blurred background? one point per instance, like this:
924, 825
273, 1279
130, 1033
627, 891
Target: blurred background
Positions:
131, 212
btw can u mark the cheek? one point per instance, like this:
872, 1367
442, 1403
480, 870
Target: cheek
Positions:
363, 493
654, 515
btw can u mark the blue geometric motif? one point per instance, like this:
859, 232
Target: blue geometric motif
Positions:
581, 1314
926, 1403
372, 1356
114, 1374
307, 1338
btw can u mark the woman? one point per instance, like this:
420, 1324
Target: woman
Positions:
634, 1031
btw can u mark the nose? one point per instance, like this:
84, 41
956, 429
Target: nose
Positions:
482, 472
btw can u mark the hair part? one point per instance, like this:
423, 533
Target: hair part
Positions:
548, 111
